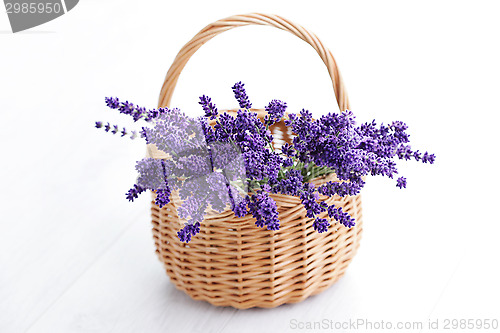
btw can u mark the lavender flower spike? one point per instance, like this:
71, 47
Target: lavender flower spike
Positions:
401, 182
112, 102
209, 108
189, 230
241, 95
114, 129
321, 225
275, 111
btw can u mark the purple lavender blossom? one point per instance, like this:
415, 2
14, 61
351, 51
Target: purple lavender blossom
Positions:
143, 133
263, 208
241, 95
209, 108
266, 187
291, 184
208, 131
240, 208
341, 216
174, 133
193, 208
188, 231
153, 114
428, 158
321, 225
115, 129
404, 152
134, 192
138, 113
417, 155
341, 188
154, 173
288, 162
401, 182
126, 108
162, 197
135, 111
275, 111
309, 197
287, 150
112, 102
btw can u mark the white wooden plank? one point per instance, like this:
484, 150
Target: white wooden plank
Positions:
127, 290
75, 257
51, 234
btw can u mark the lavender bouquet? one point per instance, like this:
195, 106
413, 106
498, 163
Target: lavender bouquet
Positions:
221, 161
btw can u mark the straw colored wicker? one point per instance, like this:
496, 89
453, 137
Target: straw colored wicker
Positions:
232, 261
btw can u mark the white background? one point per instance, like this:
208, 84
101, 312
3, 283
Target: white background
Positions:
75, 256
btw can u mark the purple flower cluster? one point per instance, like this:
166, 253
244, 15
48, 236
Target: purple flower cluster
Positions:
189, 230
265, 211
233, 163
401, 182
241, 95
336, 143
275, 111
341, 216
321, 225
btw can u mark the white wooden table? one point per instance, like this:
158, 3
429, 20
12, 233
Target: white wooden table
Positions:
75, 256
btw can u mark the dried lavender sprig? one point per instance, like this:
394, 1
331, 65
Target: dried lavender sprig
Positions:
114, 129
135, 111
405, 152
209, 108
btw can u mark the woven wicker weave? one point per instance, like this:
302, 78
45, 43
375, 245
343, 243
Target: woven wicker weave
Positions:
232, 261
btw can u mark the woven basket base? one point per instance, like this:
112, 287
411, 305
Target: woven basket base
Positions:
232, 262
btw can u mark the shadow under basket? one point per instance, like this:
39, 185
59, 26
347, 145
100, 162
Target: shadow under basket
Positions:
232, 262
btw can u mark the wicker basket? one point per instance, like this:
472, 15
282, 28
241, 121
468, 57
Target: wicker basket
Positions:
232, 261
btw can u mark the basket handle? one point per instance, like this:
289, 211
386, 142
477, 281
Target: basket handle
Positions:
231, 22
